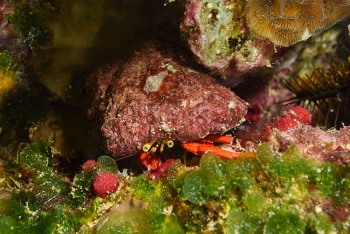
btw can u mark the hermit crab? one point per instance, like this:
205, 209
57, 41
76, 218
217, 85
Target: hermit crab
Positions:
161, 93
150, 156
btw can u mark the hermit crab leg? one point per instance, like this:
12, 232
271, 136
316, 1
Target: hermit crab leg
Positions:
200, 149
218, 139
150, 161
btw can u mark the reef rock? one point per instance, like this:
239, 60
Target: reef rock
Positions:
156, 95
294, 127
217, 35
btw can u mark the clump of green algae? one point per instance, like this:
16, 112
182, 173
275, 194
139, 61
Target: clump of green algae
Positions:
44, 200
28, 21
272, 193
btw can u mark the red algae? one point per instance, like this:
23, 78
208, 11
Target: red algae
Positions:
105, 184
88, 165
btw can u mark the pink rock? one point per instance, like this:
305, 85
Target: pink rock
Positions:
320, 144
156, 95
211, 28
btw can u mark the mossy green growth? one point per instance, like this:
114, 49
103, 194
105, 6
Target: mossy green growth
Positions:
272, 193
12, 214
45, 204
6, 60
284, 222
30, 25
16, 218
241, 222
34, 163
34, 158
209, 182
107, 164
156, 217
292, 171
220, 20
147, 190
140, 221
81, 186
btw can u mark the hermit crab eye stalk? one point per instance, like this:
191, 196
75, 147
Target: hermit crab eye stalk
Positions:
146, 147
152, 146
169, 143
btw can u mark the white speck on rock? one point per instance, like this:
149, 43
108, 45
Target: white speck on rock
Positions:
231, 104
153, 82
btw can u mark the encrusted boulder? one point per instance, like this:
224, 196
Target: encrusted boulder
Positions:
217, 35
156, 95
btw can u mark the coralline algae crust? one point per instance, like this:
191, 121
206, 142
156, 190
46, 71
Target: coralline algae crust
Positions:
147, 101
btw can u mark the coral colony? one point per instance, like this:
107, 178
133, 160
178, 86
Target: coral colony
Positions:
286, 22
180, 149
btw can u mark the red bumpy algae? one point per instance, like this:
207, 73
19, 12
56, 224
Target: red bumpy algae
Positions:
89, 165
105, 183
291, 119
155, 95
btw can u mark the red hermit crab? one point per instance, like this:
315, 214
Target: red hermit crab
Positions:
150, 156
159, 94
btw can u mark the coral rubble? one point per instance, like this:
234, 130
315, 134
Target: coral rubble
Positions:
156, 95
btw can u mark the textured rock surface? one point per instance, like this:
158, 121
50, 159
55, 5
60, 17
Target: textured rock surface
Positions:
314, 142
293, 127
217, 35
154, 95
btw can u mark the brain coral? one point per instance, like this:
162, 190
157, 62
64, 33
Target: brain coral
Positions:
286, 22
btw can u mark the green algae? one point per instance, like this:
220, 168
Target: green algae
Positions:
34, 158
46, 185
45, 204
156, 217
221, 22
30, 25
6, 60
272, 193
207, 183
284, 221
140, 221
81, 185
267, 194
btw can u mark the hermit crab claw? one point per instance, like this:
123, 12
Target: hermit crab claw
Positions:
206, 144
